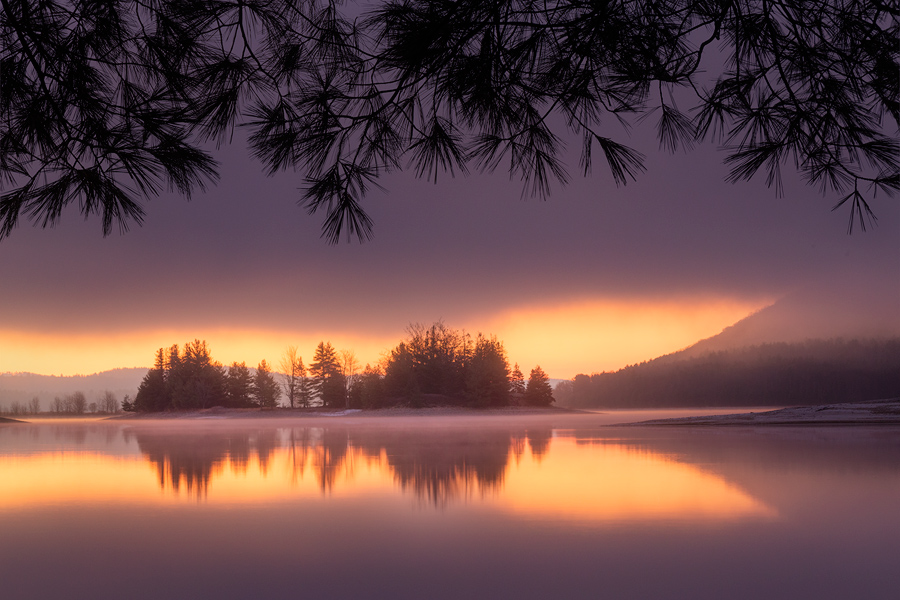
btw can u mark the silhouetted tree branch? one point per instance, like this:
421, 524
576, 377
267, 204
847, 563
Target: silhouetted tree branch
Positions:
105, 104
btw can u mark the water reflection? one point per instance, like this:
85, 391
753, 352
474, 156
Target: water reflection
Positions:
533, 471
437, 467
444, 509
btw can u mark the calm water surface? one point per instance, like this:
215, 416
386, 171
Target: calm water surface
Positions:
446, 507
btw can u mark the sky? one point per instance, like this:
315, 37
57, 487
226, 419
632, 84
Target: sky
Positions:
593, 279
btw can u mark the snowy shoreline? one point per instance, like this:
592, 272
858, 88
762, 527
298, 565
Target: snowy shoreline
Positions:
870, 412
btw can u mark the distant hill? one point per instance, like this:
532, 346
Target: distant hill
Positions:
776, 374
22, 387
839, 309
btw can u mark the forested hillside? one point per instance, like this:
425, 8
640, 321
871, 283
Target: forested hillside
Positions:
812, 372
23, 388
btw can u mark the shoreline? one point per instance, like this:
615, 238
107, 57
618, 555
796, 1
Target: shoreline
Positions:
866, 412
219, 412
863, 413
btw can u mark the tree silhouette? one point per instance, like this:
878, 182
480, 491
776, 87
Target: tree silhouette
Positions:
293, 373
538, 391
183, 379
239, 385
326, 375
106, 104
265, 388
516, 381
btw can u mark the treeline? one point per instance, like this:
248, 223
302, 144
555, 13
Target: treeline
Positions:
813, 372
433, 365
188, 378
69, 404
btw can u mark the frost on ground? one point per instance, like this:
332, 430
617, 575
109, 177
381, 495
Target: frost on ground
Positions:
878, 412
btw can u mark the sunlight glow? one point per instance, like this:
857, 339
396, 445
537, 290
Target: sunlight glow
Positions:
606, 335
565, 339
82, 354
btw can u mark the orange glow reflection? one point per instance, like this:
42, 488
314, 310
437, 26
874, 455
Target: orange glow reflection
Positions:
563, 481
609, 482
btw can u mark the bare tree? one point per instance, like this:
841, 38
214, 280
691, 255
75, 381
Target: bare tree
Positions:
57, 406
108, 403
350, 370
293, 374
34, 406
75, 403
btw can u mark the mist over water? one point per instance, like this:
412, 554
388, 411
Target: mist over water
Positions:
442, 507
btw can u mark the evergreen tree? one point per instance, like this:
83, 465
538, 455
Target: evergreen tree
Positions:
325, 371
239, 386
182, 380
538, 392
265, 389
198, 382
153, 393
516, 381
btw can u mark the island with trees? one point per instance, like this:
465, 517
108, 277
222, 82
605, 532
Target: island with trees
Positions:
433, 366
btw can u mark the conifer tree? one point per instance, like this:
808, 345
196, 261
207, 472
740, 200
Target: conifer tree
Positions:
325, 371
265, 389
516, 381
153, 393
239, 386
538, 392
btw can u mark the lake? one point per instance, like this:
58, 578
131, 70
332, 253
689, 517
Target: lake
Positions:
521, 506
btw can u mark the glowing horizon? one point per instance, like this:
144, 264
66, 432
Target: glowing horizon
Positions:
606, 335
564, 339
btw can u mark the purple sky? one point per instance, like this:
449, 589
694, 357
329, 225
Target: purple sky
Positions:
243, 256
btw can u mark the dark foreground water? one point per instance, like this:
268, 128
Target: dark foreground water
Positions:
425, 507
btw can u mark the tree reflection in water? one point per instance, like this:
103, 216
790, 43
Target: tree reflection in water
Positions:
438, 467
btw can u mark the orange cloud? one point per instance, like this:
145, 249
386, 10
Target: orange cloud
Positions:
603, 335
74, 354
565, 339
